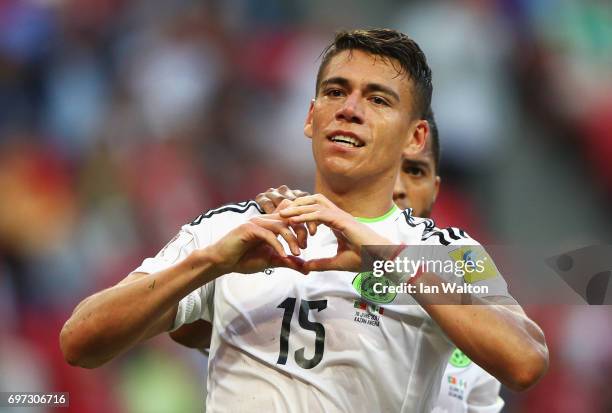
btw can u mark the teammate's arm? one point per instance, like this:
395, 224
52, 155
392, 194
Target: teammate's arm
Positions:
141, 306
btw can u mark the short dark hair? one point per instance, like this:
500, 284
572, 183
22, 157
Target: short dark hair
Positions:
435, 139
391, 44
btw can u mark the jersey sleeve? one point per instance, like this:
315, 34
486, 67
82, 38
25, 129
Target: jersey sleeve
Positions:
201, 232
176, 250
466, 261
484, 396
459, 257
199, 303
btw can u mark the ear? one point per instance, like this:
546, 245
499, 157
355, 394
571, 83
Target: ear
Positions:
436, 188
308, 121
419, 133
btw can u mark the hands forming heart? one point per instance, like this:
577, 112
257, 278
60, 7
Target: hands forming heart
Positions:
254, 246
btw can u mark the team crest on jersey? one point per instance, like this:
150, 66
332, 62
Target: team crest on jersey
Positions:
459, 359
364, 283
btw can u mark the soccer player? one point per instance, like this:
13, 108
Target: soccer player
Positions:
283, 341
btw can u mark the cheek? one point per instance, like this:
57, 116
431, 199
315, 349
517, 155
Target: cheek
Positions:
414, 193
324, 111
408, 182
418, 191
425, 190
392, 131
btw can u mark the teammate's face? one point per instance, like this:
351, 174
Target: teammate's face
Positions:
417, 184
361, 118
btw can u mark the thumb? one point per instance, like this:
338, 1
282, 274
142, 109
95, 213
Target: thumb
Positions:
292, 262
322, 264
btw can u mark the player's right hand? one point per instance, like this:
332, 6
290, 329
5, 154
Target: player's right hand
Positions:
277, 199
253, 247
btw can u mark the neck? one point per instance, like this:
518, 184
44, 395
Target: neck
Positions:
366, 199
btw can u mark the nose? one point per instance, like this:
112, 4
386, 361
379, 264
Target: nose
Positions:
399, 194
351, 110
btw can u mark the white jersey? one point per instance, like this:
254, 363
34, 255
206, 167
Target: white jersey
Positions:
467, 388
285, 342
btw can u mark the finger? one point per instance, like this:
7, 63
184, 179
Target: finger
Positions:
312, 220
293, 210
316, 216
291, 240
313, 199
265, 203
299, 194
282, 229
290, 261
305, 200
301, 234
312, 228
286, 192
270, 238
285, 203
276, 197
321, 264
300, 230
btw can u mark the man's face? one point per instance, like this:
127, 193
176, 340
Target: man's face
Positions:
360, 120
417, 184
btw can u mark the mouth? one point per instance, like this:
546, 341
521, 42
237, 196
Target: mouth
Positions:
344, 138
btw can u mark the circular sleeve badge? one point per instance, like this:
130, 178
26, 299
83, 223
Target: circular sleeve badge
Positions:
458, 359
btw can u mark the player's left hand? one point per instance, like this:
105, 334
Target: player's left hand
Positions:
351, 234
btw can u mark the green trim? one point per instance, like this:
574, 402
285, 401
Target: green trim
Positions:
380, 218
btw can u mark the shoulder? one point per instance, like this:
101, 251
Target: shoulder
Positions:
214, 223
235, 213
430, 234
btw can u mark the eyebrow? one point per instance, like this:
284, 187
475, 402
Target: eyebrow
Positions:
413, 162
370, 87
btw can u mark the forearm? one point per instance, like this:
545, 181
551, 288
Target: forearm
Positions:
112, 321
500, 338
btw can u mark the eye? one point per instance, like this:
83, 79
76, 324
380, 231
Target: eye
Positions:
413, 170
333, 93
377, 100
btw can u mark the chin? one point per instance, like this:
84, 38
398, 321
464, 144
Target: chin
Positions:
336, 165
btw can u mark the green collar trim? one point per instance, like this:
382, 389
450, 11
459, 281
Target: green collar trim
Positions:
380, 218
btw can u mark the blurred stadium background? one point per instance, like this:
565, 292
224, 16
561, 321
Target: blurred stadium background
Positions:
122, 120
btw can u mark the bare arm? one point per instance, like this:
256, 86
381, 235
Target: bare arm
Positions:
139, 307
496, 334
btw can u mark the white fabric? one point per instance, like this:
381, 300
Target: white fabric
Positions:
468, 389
